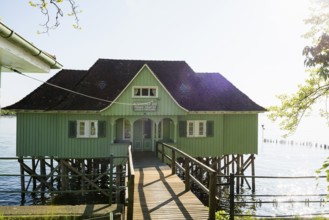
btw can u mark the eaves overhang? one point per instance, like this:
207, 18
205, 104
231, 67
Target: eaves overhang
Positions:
16, 53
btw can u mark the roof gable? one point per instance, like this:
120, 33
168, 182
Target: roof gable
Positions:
145, 77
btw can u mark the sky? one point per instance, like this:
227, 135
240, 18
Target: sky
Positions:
255, 44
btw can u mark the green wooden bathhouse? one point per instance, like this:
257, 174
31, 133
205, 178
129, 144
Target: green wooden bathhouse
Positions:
118, 102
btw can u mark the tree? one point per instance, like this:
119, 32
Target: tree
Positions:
53, 10
316, 87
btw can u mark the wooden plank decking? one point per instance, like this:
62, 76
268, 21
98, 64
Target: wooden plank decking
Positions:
161, 195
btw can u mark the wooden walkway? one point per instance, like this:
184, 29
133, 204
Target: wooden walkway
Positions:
161, 195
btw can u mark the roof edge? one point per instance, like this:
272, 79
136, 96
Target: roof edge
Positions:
15, 38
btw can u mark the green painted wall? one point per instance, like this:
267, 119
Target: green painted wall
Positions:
203, 146
165, 104
233, 134
241, 134
47, 135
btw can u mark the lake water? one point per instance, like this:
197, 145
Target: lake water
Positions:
273, 160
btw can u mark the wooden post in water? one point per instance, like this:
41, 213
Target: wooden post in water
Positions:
231, 196
253, 188
34, 179
52, 171
21, 161
118, 182
238, 173
43, 177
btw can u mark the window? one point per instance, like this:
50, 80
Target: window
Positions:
144, 91
197, 128
87, 129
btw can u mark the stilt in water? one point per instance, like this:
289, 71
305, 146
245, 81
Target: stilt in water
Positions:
21, 161
43, 177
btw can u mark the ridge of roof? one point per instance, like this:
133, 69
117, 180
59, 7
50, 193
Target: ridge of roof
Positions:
139, 60
106, 78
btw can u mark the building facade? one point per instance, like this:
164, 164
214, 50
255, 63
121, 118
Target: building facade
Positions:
98, 112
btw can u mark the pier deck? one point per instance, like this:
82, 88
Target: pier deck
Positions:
161, 195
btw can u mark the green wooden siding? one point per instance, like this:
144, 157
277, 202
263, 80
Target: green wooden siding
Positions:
165, 104
47, 135
241, 134
203, 146
233, 134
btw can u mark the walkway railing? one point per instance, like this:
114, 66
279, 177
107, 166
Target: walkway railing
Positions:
171, 153
131, 185
235, 198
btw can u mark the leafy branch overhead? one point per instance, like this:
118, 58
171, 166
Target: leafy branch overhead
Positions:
318, 56
294, 107
316, 86
53, 10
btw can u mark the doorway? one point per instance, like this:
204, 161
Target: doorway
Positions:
142, 140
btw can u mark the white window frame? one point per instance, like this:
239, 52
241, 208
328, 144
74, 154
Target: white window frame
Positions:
149, 88
87, 129
194, 129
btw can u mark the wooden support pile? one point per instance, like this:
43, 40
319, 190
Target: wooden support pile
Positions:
81, 178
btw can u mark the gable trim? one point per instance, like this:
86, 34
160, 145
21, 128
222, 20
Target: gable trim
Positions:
131, 81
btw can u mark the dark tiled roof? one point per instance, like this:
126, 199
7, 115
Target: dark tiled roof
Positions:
47, 97
107, 78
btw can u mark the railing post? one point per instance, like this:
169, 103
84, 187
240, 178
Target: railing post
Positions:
212, 195
111, 179
231, 196
187, 174
156, 149
173, 162
162, 153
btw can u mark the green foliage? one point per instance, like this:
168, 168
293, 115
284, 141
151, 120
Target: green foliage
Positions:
294, 107
316, 87
222, 215
317, 56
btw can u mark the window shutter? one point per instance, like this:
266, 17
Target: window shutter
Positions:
182, 128
210, 128
101, 129
72, 129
